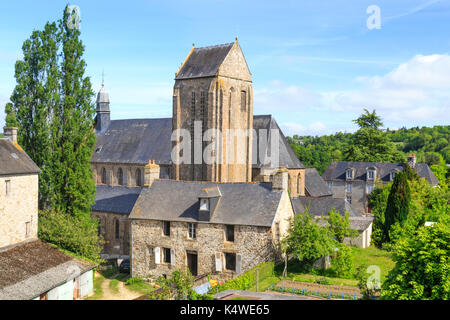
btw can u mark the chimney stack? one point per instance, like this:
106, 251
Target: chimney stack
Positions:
281, 179
10, 133
151, 173
412, 160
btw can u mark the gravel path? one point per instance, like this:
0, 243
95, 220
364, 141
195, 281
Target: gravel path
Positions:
123, 294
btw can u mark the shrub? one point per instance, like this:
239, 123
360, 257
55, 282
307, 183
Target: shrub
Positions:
342, 264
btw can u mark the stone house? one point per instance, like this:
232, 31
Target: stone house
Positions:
354, 181
221, 229
30, 268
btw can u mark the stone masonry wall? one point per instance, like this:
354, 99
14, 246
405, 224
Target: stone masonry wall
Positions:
107, 223
18, 208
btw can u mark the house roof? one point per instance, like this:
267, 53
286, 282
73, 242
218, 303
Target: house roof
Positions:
315, 185
287, 157
204, 62
336, 171
115, 199
321, 206
138, 140
356, 223
30, 269
135, 141
13, 160
240, 203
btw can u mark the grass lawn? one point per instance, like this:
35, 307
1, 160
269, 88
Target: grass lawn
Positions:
114, 285
374, 256
140, 286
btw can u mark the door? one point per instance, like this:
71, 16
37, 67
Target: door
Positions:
192, 262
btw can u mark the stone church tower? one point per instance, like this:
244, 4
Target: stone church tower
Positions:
213, 90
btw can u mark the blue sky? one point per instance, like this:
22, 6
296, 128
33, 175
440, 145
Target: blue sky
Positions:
315, 64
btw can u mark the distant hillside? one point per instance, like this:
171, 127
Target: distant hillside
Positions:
431, 145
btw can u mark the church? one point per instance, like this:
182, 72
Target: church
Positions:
189, 172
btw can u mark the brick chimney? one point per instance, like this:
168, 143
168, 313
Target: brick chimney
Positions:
280, 180
151, 173
10, 133
412, 160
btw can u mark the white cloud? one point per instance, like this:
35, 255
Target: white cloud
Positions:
316, 128
414, 93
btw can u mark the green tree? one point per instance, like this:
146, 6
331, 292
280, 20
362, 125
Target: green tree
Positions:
370, 142
307, 241
422, 269
340, 225
11, 118
398, 202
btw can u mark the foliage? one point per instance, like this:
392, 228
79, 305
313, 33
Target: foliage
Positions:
307, 241
11, 118
51, 105
340, 226
367, 289
397, 207
422, 269
342, 264
74, 234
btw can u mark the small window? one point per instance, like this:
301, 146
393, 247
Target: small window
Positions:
349, 199
138, 178
117, 227
103, 176
230, 261
204, 204
349, 174
120, 176
166, 228
369, 188
192, 228
229, 233
166, 252
243, 101
7, 188
349, 187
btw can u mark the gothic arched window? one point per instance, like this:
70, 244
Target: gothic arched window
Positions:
117, 229
120, 176
138, 178
298, 183
103, 175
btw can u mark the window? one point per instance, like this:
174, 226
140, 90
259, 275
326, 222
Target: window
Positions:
349, 187
7, 188
166, 228
138, 178
371, 174
298, 183
392, 175
330, 185
192, 114
120, 176
203, 110
349, 199
166, 252
230, 261
243, 101
349, 174
103, 175
229, 233
369, 188
192, 228
117, 227
204, 204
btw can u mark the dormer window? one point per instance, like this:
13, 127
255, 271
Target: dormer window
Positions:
204, 204
392, 175
371, 174
349, 174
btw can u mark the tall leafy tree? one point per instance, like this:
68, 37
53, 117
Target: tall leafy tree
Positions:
370, 143
397, 208
53, 107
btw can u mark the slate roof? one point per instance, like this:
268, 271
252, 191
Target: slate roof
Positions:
252, 204
287, 156
13, 160
315, 185
336, 171
30, 269
204, 62
115, 199
321, 206
135, 141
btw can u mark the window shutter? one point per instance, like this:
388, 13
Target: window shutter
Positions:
157, 255
238, 263
218, 262
172, 257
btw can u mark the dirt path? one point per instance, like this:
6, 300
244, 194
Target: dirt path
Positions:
123, 294
322, 288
